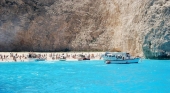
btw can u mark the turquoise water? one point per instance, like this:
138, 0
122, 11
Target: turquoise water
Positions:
149, 76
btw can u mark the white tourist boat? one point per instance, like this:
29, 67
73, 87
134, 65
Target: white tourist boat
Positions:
119, 58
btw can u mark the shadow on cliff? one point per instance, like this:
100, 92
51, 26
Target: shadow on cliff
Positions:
161, 52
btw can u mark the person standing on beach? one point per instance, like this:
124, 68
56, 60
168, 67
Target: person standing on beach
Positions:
14, 58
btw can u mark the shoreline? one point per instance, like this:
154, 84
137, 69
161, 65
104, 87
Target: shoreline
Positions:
49, 56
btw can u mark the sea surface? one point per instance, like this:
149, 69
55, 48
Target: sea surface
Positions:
148, 76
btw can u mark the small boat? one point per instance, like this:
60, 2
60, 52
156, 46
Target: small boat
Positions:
35, 57
32, 57
82, 57
119, 58
62, 58
40, 59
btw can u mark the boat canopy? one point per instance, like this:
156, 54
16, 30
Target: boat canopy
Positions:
124, 54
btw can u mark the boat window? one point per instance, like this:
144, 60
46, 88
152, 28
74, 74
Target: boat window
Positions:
119, 57
113, 55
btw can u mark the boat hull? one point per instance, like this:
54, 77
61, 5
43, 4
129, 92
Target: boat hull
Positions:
62, 59
40, 60
127, 61
36, 59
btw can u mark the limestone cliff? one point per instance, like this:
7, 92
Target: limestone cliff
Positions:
156, 23
140, 27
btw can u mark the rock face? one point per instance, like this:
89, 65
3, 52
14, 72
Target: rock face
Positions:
141, 27
157, 26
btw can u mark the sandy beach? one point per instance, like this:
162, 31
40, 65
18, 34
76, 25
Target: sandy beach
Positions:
49, 56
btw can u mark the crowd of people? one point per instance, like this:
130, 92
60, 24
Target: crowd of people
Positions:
12, 57
24, 56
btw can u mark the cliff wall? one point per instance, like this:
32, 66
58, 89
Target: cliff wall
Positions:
140, 27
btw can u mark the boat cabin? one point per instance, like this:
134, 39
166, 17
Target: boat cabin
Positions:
117, 55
